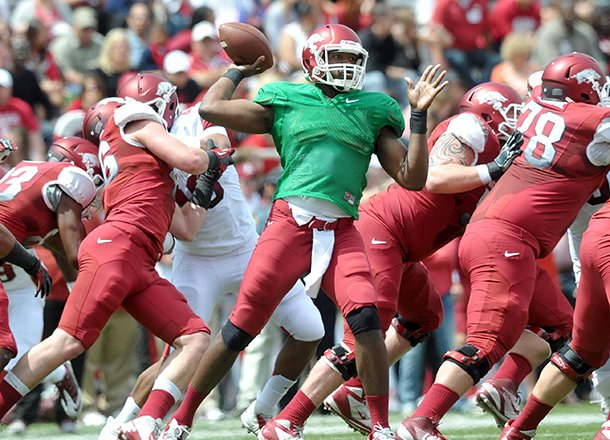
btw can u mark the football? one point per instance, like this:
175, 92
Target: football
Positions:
243, 43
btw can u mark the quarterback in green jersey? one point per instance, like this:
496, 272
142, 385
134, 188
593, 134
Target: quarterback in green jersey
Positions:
325, 132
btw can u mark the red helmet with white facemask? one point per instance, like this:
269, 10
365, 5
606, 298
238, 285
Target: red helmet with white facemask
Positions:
498, 104
81, 153
574, 77
97, 116
316, 61
154, 90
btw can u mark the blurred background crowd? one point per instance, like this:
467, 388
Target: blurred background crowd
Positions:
59, 57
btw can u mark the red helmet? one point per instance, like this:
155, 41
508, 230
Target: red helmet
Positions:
97, 116
575, 77
69, 124
315, 60
154, 90
498, 104
81, 153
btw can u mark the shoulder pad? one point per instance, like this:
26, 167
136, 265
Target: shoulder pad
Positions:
135, 111
470, 130
77, 184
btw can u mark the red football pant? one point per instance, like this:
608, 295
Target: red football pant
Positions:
283, 254
7, 340
117, 268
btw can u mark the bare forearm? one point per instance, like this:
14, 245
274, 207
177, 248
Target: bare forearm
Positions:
414, 167
187, 221
452, 178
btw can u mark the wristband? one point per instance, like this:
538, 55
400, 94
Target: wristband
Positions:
484, 175
418, 121
235, 75
19, 256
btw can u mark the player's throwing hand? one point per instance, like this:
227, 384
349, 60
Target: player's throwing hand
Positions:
429, 85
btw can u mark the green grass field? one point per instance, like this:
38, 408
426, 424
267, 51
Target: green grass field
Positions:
571, 422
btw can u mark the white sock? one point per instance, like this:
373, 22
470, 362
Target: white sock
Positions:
273, 391
129, 411
57, 375
16, 383
167, 385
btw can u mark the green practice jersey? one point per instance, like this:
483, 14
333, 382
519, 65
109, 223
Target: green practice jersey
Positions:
325, 145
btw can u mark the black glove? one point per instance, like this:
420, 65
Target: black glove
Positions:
204, 188
219, 160
6, 148
41, 278
509, 151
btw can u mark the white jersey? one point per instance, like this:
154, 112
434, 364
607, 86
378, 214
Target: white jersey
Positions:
15, 278
228, 226
581, 223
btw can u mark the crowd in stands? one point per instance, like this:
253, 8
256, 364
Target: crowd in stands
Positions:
63, 56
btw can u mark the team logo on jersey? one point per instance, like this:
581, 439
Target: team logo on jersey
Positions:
588, 75
491, 97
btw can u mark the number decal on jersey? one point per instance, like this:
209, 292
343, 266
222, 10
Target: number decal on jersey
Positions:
601, 194
7, 273
110, 167
549, 128
219, 193
12, 183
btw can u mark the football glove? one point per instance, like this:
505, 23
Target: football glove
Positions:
6, 148
220, 159
204, 189
41, 279
509, 151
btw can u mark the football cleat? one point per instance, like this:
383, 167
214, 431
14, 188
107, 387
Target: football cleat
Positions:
69, 393
500, 398
141, 428
419, 428
279, 429
253, 421
604, 432
511, 433
175, 431
381, 433
110, 431
349, 403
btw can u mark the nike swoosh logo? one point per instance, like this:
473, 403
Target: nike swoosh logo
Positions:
375, 241
510, 254
351, 101
100, 241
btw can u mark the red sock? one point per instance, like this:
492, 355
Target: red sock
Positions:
354, 382
298, 410
438, 400
186, 412
514, 367
158, 404
378, 407
9, 396
533, 413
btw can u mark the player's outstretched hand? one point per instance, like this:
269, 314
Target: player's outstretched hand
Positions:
41, 279
429, 85
6, 148
509, 152
251, 69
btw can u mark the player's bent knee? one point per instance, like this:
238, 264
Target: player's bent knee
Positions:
64, 343
341, 359
309, 329
571, 364
554, 338
363, 320
234, 338
198, 342
411, 331
467, 358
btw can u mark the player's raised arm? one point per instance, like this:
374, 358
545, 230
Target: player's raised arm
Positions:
409, 167
237, 114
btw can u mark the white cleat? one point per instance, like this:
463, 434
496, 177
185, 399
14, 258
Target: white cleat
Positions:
69, 393
381, 433
278, 429
174, 431
252, 421
499, 398
141, 428
349, 403
110, 431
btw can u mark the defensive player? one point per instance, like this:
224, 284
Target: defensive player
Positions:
325, 131
116, 263
212, 264
565, 157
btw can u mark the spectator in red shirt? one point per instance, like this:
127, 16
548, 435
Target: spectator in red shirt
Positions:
521, 16
18, 123
462, 28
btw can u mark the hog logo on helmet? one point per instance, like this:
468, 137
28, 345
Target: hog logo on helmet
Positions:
492, 97
587, 75
574, 77
316, 62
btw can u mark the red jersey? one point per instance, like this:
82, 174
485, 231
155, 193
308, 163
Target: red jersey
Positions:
29, 198
138, 184
564, 161
466, 21
17, 113
424, 222
511, 16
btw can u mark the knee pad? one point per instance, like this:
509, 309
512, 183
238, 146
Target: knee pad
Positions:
466, 357
411, 331
363, 320
235, 339
553, 337
571, 364
341, 359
